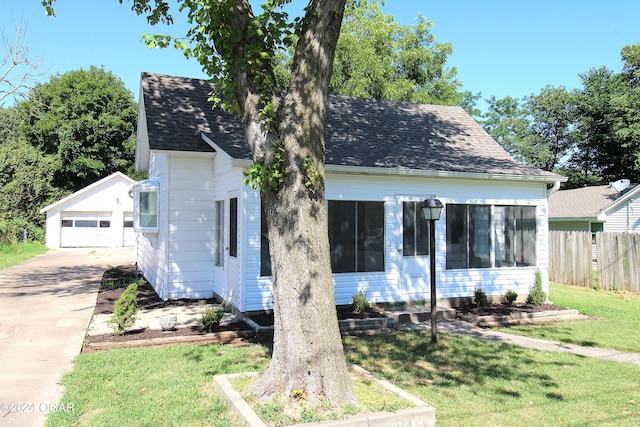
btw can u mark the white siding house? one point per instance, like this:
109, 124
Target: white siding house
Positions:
597, 208
100, 214
382, 159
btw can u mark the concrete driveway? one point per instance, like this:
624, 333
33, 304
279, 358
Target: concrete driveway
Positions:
46, 305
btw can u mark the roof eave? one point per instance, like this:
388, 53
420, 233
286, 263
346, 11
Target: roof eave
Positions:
576, 218
625, 198
368, 170
102, 181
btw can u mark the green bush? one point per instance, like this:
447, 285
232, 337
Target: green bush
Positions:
511, 297
480, 297
359, 302
125, 310
13, 231
537, 296
211, 319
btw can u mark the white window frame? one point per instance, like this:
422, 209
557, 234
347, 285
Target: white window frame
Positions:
145, 206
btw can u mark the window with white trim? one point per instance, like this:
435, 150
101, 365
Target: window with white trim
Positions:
145, 208
356, 236
487, 236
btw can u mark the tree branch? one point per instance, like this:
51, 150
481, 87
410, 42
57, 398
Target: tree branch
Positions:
17, 69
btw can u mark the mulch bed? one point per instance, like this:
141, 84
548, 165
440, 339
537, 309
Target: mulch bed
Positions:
115, 280
506, 310
113, 284
344, 313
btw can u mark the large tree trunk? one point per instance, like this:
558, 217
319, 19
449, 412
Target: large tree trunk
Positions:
307, 349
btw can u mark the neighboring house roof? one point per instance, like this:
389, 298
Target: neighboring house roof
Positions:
587, 202
100, 183
360, 132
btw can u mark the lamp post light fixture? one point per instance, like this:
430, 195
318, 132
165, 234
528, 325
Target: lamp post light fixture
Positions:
431, 209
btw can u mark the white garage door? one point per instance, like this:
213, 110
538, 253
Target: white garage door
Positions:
129, 238
85, 229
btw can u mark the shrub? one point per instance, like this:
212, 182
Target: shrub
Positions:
13, 231
125, 310
537, 296
480, 297
211, 319
359, 302
511, 297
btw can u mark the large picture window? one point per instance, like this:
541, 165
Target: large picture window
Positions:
484, 236
356, 236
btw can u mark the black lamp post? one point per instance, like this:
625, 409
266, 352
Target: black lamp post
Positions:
431, 209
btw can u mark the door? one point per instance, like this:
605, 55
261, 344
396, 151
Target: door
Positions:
413, 250
85, 229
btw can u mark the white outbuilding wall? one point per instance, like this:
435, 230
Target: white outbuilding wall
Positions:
99, 215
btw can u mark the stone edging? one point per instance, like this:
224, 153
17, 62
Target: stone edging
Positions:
514, 319
226, 337
420, 415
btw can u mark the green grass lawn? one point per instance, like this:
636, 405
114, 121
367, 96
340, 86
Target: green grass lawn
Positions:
614, 323
12, 254
469, 381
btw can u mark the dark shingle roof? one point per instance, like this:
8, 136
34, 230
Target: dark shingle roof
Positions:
360, 132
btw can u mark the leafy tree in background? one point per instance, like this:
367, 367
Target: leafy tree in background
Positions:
377, 57
609, 122
627, 127
25, 182
538, 131
84, 122
595, 116
507, 122
550, 140
591, 135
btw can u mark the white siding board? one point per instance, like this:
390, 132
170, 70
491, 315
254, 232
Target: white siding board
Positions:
190, 226
151, 248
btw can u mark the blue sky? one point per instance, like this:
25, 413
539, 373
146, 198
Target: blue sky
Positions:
501, 47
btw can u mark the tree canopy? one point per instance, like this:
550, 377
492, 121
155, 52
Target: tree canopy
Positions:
84, 121
377, 57
590, 134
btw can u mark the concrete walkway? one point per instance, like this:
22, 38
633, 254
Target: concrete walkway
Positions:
46, 304
465, 328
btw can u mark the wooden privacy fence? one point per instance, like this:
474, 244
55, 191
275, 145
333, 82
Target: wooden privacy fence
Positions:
618, 259
570, 254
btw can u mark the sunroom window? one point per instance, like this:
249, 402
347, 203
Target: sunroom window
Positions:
485, 236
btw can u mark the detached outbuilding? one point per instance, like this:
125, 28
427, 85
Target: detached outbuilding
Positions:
99, 215
612, 208
201, 232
